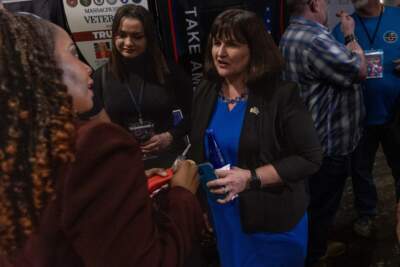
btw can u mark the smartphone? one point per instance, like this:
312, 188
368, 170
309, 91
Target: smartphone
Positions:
207, 173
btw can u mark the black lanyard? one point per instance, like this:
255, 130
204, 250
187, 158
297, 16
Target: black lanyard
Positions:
371, 39
137, 104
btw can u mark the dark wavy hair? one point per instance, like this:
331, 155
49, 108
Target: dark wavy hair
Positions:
245, 27
36, 125
157, 66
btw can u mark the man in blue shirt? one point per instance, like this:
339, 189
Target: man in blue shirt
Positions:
378, 32
326, 72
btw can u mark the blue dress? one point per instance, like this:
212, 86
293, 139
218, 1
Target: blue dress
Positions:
236, 248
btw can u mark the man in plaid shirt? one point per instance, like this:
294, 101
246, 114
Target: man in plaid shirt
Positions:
327, 73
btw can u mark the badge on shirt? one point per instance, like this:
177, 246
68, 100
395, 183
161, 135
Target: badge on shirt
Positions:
143, 131
390, 37
374, 64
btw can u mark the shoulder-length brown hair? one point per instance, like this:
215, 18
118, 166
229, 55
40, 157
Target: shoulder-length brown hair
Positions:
157, 66
247, 28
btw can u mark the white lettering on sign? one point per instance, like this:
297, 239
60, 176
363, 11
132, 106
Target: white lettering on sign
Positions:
99, 35
197, 72
194, 45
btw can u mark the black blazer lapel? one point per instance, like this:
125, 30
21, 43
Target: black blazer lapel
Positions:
250, 134
203, 107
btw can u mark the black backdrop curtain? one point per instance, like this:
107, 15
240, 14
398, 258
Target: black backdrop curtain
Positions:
183, 26
48, 9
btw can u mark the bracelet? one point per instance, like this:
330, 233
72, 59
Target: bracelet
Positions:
349, 38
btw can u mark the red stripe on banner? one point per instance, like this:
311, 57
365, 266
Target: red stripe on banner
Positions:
83, 36
91, 36
172, 28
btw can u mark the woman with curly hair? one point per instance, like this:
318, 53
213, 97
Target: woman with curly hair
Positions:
36, 123
75, 194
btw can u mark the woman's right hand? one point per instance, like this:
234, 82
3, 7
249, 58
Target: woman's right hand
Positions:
186, 176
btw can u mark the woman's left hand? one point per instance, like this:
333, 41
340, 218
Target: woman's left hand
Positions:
157, 143
230, 182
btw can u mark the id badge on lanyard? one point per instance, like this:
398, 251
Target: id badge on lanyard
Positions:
374, 63
374, 57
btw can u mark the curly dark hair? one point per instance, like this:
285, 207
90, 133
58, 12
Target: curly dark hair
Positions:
37, 127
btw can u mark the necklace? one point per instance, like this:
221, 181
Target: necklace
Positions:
242, 97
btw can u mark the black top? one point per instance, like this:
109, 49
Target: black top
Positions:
159, 100
277, 130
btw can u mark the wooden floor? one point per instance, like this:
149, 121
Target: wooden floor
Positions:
382, 250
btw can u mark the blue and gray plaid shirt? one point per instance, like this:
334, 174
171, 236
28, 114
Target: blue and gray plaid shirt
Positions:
326, 72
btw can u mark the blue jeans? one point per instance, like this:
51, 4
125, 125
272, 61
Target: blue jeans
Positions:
326, 189
363, 158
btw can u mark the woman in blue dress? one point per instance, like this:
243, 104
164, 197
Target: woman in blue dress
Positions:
266, 134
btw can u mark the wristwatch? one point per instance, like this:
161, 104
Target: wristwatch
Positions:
255, 181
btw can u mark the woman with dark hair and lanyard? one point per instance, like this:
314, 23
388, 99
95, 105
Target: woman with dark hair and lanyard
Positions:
139, 90
263, 128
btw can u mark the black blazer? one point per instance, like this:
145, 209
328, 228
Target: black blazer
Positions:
277, 130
